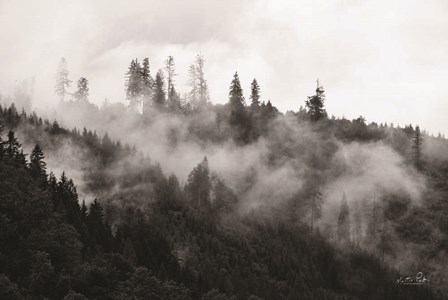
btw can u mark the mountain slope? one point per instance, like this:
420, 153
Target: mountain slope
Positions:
150, 236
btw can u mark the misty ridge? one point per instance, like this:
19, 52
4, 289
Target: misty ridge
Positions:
168, 181
178, 132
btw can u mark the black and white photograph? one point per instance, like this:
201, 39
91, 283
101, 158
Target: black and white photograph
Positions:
223, 150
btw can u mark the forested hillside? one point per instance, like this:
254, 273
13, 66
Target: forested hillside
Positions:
54, 246
177, 198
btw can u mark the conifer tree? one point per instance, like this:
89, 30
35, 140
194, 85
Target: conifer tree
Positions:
255, 96
159, 100
236, 98
236, 102
82, 92
198, 185
173, 98
315, 104
147, 85
12, 145
417, 142
38, 168
134, 84
62, 81
63, 181
99, 231
170, 69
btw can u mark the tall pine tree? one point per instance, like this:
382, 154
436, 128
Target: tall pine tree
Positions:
315, 104
173, 98
37, 166
238, 117
417, 142
134, 84
254, 96
158, 95
147, 84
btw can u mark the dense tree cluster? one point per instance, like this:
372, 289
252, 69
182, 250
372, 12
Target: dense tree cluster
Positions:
131, 232
142, 90
184, 244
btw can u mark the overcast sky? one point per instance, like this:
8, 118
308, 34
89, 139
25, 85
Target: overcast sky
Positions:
383, 59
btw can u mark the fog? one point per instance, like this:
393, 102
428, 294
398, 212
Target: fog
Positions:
384, 61
286, 45
264, 174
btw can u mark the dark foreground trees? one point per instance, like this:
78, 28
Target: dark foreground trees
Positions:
185, 244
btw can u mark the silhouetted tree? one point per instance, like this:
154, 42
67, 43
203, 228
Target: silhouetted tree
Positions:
417, 142
255, 96
147, 85
238, 117
236, 98
315, 104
